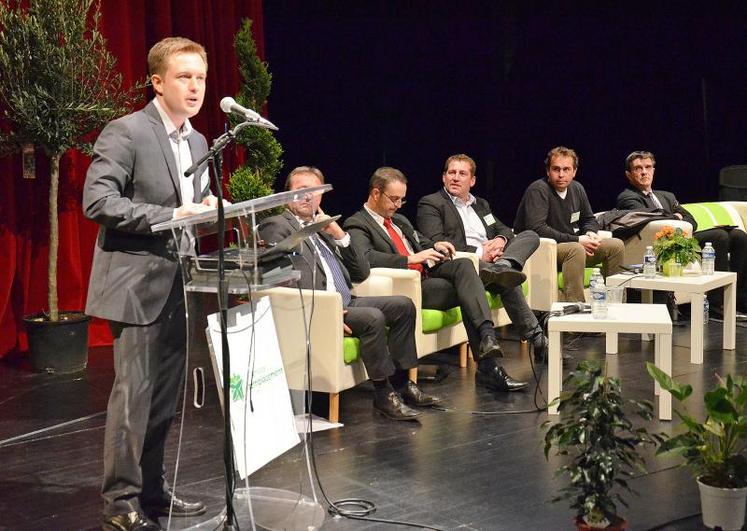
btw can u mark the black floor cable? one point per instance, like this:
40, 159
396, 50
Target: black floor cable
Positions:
352, 508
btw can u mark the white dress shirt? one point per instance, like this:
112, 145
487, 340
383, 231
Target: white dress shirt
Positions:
182, 154
380, 220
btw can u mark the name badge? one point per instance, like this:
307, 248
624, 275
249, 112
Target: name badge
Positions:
489, 219
575, 217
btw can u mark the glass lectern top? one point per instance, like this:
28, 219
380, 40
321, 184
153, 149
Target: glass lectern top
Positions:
242, 209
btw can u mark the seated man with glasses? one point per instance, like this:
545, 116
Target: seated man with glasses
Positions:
388, 239
730, 244
384, 325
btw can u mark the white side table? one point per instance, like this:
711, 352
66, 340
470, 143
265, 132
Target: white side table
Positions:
697, 287
621, 318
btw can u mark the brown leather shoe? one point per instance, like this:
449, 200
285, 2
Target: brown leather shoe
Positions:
414, 396
132, 521
391, 406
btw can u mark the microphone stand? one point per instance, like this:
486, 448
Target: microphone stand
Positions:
215, 158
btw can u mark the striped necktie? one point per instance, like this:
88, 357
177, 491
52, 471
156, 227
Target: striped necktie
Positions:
341, 285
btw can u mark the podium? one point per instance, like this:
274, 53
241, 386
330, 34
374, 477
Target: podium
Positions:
243, 269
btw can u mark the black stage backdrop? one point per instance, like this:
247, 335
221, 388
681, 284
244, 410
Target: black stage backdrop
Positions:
362, 84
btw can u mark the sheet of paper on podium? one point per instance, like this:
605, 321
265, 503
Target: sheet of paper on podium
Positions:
262, 421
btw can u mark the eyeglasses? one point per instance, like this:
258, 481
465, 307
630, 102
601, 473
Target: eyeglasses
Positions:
396, 201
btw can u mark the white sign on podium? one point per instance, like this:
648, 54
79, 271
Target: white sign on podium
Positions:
262, 421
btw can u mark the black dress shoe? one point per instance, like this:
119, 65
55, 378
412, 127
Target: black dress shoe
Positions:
497, 379
391, 406
489, 348
132, 521
501, 276
161, 507
414, 396
539, 343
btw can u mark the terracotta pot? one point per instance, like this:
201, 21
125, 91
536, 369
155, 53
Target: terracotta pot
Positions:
617, 525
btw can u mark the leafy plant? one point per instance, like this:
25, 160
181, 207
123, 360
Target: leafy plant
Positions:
603, 446
58, 84
263, 152
676, 244
716, 449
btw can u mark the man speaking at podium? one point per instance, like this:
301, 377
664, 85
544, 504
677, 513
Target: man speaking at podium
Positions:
136, 179
328, 261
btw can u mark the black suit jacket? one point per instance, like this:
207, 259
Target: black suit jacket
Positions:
632, 199
353, 264
376, 245
439, 220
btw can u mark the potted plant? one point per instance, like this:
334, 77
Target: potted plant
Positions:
595, 433
675, 246
715, 450
262, 151
58, 84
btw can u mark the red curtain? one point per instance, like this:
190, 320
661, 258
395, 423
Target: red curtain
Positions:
131, 28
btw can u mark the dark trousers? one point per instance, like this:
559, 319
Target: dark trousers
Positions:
149, 369
731, 255
456, 283
518, 251
384, 352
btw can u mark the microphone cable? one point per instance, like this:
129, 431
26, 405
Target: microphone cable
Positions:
352, 508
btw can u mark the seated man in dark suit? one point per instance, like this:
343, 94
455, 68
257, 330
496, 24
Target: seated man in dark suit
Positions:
387, 356
730, 244
455, 215
388, 240
558, 208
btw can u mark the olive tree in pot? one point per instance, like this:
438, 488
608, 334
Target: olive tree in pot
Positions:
596, 434
58, 84
715, 450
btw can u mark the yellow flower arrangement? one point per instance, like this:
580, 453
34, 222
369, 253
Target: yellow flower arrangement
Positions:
676, 244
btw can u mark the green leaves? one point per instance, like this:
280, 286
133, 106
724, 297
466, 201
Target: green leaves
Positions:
58, 81
714, 448
599, 438
263, 152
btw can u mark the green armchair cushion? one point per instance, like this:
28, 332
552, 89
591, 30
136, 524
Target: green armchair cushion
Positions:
709, 215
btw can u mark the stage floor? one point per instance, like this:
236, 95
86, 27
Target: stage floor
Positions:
452, 470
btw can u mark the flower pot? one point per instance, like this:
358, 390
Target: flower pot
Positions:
671, 268
722, 507
617, 525
58, 346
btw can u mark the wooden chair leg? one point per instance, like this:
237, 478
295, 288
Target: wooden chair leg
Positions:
413, 374
334, 407
463, 355
524, 347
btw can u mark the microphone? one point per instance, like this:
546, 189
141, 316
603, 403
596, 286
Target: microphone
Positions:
229, 106
579, 307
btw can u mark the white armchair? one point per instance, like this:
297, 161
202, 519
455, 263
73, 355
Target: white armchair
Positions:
330, 373
407, 282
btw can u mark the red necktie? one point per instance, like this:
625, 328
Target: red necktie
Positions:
400, 245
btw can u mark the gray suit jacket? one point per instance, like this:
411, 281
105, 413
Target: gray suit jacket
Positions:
353, 264
132, 183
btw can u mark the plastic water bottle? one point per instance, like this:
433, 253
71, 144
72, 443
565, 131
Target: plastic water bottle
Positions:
649, 263
598, 297
596, 274
706, 311
708, 259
